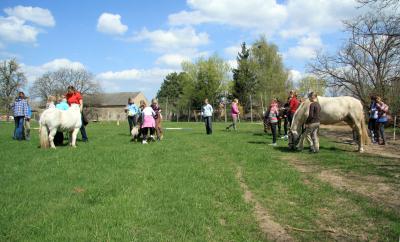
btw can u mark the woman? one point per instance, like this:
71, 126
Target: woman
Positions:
207, 112
234, 113
132, 112
373, 116
20, 109
74, 97
148, 122
381, 121
158, 118
293, 105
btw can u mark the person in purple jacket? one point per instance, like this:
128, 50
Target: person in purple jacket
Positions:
235, 114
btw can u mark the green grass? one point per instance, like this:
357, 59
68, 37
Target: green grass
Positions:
181, 189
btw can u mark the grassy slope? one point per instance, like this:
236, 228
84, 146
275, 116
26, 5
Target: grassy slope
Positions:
182, 189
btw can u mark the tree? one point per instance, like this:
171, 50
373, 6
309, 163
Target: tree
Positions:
56, 83
244, 80
11, 79
207, 79
369, 61
271, 75
172, 89
312, 84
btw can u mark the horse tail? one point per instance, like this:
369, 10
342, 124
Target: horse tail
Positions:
44, 137
364, 132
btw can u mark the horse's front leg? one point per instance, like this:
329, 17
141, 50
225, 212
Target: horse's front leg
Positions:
52, 133
74, 134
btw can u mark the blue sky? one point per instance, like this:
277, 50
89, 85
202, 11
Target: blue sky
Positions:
132, 45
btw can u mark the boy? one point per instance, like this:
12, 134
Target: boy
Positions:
313, 122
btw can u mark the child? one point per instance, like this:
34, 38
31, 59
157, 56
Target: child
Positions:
157, 118
373, 116
235, 113
148, 122
61, 105
132, 112
206, 112
273, 119
50, 102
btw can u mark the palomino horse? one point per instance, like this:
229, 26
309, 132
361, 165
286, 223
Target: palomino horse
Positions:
53, 119
333, 110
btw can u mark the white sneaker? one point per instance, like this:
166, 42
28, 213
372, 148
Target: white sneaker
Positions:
273, 144
144, 142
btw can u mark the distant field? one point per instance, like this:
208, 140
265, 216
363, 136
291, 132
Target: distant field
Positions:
228, 186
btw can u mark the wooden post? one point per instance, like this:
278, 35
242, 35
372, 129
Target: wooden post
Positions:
394, 128
251, 110
262, 105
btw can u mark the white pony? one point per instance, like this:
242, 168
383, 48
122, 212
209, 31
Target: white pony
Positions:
53, 119
333, 110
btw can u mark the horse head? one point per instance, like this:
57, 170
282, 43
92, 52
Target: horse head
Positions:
294, 139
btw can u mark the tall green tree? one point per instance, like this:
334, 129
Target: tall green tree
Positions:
11, 79
244, 80
208, 78
271, 75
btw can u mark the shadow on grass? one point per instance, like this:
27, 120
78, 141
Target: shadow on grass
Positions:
258, 142
286, 149
261, 134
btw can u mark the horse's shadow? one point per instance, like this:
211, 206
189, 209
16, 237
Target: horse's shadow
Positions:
286, 149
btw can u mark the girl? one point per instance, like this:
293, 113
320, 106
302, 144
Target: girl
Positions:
50, 102
381, 121
373, 116
206, 112
293, 105
273, 119
132, 111
148, 122
235, 113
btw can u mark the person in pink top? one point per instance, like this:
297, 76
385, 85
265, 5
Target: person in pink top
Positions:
273, 113
148, 122
235, 114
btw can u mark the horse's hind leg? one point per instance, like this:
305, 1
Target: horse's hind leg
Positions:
74, 134
52, 133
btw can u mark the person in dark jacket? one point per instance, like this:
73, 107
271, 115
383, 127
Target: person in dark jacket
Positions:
313, 122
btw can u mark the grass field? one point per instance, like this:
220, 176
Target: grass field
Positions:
184, 188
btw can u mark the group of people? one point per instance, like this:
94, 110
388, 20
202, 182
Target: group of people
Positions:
144, 120
377, 120
23, 112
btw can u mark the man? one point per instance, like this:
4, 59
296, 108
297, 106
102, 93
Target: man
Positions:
20, 109
74, 97
312, 123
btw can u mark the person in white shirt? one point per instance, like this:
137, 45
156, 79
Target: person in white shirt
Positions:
207, 112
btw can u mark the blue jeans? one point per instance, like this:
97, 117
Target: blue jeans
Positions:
207, 121
19, 127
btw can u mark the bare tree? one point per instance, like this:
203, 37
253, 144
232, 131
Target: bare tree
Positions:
380, 4
368, 62
11, 79
56, 83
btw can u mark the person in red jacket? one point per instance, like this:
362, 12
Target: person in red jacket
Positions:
293, 105
75, 97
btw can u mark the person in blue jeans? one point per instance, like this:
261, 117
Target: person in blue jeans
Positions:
132, 111
381, 121
206, 112
20, 110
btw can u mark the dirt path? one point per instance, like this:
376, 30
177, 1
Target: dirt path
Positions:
343, 134
371, 186
272, 230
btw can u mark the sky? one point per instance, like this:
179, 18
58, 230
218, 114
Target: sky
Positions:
132, 45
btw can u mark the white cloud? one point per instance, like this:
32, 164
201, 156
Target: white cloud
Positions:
13, 29
232, 64
295, 76
33, 72
111, 24
172, 60
306, 48
265, 15
175, 39
35, 15
232, 51
154, 75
